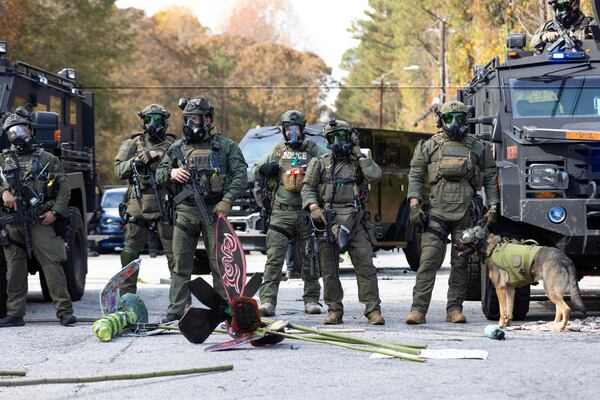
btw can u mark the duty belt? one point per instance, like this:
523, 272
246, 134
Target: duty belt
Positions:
286, 207
210, 199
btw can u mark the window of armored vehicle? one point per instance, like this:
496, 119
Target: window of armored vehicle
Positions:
40, 106
392, 149
72, 112
20, 101
56, 106
555, 97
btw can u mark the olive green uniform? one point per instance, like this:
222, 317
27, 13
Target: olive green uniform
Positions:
455, 171
338, 184
144, 213
48, 248
579, 30
287, 219
222, 154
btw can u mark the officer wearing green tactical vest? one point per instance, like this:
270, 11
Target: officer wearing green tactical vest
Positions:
215, 164
285, 165
136, 161
335, 191
455, 165
31, 174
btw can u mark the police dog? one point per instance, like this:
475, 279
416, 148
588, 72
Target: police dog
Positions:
549, 265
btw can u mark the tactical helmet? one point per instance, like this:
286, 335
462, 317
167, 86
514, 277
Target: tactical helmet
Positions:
453, 115
292, 128
154, 120
341, 137
195, 131
17, 127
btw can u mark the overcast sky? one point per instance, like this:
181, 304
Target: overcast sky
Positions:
325, 23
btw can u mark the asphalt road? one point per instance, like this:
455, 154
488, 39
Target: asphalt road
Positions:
526, 365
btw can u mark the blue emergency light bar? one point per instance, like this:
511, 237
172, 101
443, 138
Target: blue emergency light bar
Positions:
560, 56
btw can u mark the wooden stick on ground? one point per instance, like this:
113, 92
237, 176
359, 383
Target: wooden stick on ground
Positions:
12, 373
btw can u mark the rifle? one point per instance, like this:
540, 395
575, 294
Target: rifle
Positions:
152, 180
267, 203
564, 40
325, 235
25, 201
194, 187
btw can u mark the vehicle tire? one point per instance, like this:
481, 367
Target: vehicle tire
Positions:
489, 301
44, 285
2, 284
473, 292
412, 251
76, 265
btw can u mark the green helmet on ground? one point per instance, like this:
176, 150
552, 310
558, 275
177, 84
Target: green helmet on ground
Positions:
155, 109
453, 106
293, 117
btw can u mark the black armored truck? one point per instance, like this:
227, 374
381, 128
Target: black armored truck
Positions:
541, 113
63, 124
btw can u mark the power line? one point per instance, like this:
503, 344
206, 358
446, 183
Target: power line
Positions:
259, 87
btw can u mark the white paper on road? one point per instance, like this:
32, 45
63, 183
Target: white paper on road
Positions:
445, 354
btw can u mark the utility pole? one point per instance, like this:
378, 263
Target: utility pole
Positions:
381, 88
443, 60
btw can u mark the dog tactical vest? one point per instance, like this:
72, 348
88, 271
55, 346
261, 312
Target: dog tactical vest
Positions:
516, 259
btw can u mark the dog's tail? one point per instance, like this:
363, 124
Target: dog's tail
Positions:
574, 287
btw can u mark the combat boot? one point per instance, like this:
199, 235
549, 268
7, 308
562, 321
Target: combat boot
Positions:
375, 318
334, 318
415, 318
312, 308
9, 321
67, 319
266, 310
170, 318
455, 316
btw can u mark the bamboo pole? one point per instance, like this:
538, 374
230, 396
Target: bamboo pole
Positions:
12, 373
89, 379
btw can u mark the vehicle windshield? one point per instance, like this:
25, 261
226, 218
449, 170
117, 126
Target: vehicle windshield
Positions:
555, 97
254, 147
112, 199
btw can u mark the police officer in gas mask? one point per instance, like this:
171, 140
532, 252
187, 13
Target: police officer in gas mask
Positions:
569, 16
218, 163
136, 161
40, 177
456, 166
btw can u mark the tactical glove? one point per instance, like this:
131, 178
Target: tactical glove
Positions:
317, 215
269, 169
581, 34
417, 216
491, 216
223, 207
356, 152
549, 36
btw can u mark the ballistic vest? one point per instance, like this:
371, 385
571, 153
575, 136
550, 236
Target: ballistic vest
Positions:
516, 259
342, 182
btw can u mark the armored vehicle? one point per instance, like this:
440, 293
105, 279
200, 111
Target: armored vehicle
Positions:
63, 123
541, 112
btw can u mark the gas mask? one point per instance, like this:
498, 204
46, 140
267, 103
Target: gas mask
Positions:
564, 14
455, 125
21, 137
194, 129
340, 143
155, 126
293, 136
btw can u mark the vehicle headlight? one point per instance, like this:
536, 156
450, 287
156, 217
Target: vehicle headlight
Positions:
547, 176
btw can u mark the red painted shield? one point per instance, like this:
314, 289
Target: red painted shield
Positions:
230, 259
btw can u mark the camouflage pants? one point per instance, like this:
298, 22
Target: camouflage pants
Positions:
136, 237
277, 246
433, 250
49, 251
188, 228
361, 255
